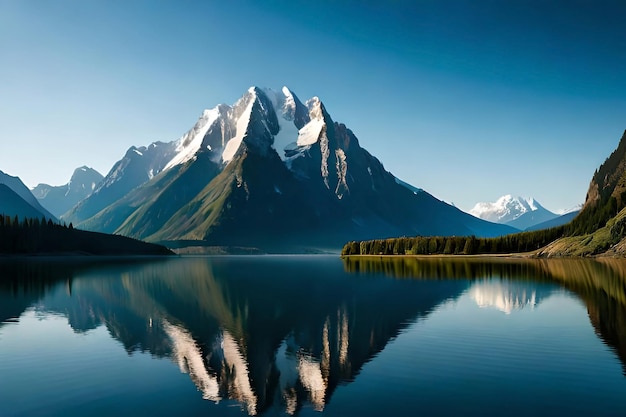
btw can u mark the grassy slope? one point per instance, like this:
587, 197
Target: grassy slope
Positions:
166, 197
610, 239
194, 219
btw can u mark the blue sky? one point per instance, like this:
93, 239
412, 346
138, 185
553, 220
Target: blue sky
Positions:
469, 100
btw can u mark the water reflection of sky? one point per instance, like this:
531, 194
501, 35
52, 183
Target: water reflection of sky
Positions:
366, 346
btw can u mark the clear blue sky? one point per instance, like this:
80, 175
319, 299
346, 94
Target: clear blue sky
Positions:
469, 100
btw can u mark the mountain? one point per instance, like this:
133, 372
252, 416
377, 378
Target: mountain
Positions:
606, 195
268, 171
59, 199
532, 218
13, 205
20, 201
516, 212
600, 227
557, 221
138, 166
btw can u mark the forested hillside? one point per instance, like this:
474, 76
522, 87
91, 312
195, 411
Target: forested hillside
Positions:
33, 236
606, 196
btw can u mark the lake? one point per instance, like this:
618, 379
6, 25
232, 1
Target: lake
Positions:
312, 336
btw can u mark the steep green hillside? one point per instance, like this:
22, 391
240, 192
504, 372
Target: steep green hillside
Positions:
606, 195
610, 237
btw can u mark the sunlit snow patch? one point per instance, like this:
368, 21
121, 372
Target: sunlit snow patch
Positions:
190, 143
242, 127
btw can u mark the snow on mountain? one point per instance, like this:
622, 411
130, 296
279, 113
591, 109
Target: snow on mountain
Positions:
518, 212
144, 162
269, 167
190, 143
286, 105
505, 209
241, 128
576, 208
222, 129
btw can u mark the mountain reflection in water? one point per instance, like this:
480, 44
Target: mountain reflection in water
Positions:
600, 283
259, 336
276, 335
505, 296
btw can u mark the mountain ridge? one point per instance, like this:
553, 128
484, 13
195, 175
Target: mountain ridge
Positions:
59, 199
20, 208
519, 212
267, 160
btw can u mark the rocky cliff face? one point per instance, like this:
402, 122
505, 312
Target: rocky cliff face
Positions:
268, 171
610, 179
606, 195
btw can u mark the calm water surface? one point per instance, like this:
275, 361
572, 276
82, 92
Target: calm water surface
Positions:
313, 335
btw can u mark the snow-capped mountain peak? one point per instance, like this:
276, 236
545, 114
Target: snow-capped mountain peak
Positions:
506, 208
279, 117
191, 142
271, 166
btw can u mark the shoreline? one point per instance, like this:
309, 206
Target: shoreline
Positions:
522, 255
79, 256
500, 256
441, 255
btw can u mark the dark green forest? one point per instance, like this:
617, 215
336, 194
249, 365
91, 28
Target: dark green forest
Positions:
455, 245
32, 236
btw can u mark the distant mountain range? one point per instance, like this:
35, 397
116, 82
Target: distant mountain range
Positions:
60, 199
558, 221
269, 171
599, 229
37, 231
520, 213
17, 200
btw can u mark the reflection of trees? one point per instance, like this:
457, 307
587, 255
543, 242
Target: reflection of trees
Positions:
265, 333
23, 283
600, 282
284, 334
